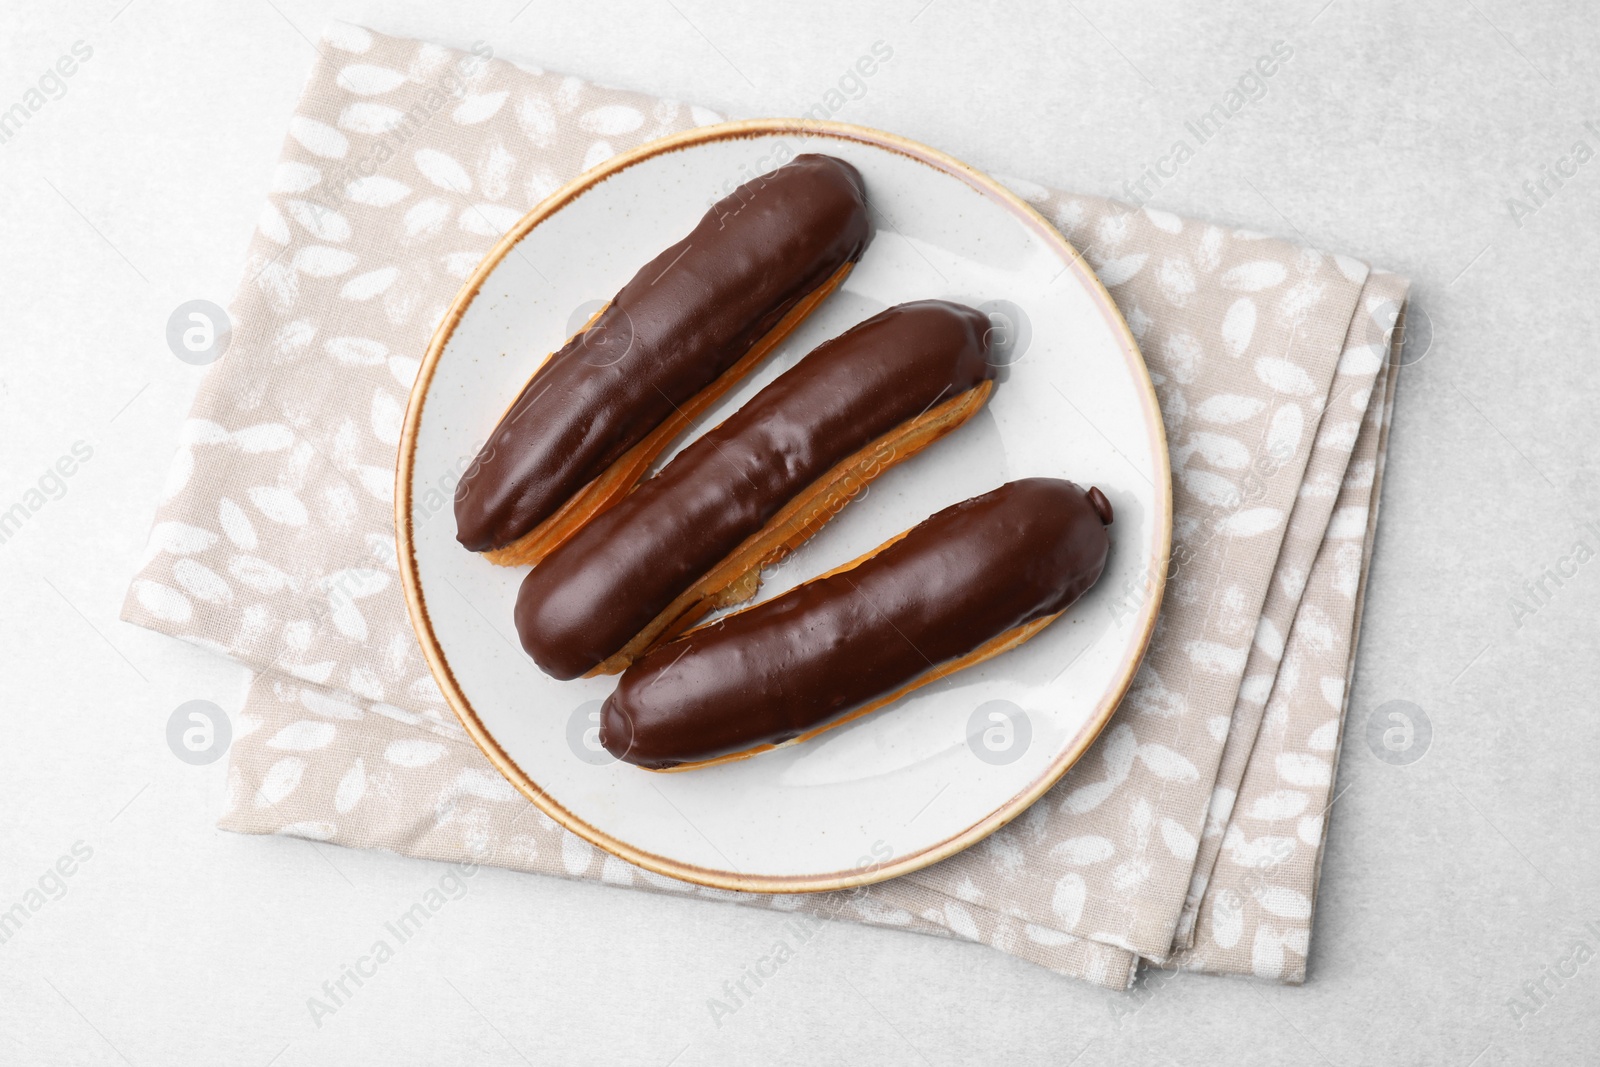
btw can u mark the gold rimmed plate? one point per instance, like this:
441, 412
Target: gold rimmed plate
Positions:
932, 773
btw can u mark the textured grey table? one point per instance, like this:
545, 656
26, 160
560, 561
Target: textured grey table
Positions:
1455, 888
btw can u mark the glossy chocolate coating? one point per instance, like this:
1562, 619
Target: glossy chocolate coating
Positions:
770, 673
688, 315
592, 595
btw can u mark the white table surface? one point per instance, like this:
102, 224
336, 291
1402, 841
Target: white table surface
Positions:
1397, 133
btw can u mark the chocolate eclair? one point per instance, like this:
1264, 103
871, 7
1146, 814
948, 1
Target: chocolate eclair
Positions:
688, 326
746, 493
966, 584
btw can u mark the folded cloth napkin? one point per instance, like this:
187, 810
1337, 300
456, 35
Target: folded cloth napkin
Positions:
1190, 835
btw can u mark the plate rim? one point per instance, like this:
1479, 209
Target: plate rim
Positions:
438, 664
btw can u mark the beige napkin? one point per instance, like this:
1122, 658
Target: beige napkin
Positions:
1189, 835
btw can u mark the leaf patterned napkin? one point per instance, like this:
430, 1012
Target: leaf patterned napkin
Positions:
1190, 835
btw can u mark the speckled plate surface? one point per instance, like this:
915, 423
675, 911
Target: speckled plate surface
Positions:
932, 773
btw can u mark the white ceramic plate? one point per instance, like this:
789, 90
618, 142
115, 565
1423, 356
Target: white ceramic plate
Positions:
934, 772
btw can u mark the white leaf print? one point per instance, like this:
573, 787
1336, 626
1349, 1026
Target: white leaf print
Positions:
295, 177
1164, 221
1239, 326
202, 582
387, 415
1340, 436
281, 779
478, 107
347, 37
317, 673
1179, 841
258, 574
178, 539
347, 618
1348, 523
1209, 488
1177, 280
426, 216
304, 736
1184, 357
370, 119
364, 79
263, 437
1217, 726
1228, 408
322, 261
1090, 848
356, 583
1282, 804
413, 753
460, 264
1263, 852
322, 223
1325, 738
377, 191
351, 788
319, 138
615, 872
162, 601
379, 481
1067, 900
312, 829
358, 351
404, 370
1254, 276
1333, 693
1310, 830
1166, 763
1252, 522
1149, 695
489, 220
1284, 903
1284, 377
1222, 801
327, 706
1227, 919
597, 154
484, 785
272, 225
1266, 956
1353, 269
1218, 658
576, 854
959, 921
368, 285
1269, 639
442, 170
1087, 797
236, 524
1043, 935
1117, 271
202, 432
1298, 768
364, 682
1283, 435
279, 505
1220, 450
537, 120
611, 120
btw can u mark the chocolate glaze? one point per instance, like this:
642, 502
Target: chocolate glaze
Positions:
684, 319
803, 659
592, 595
